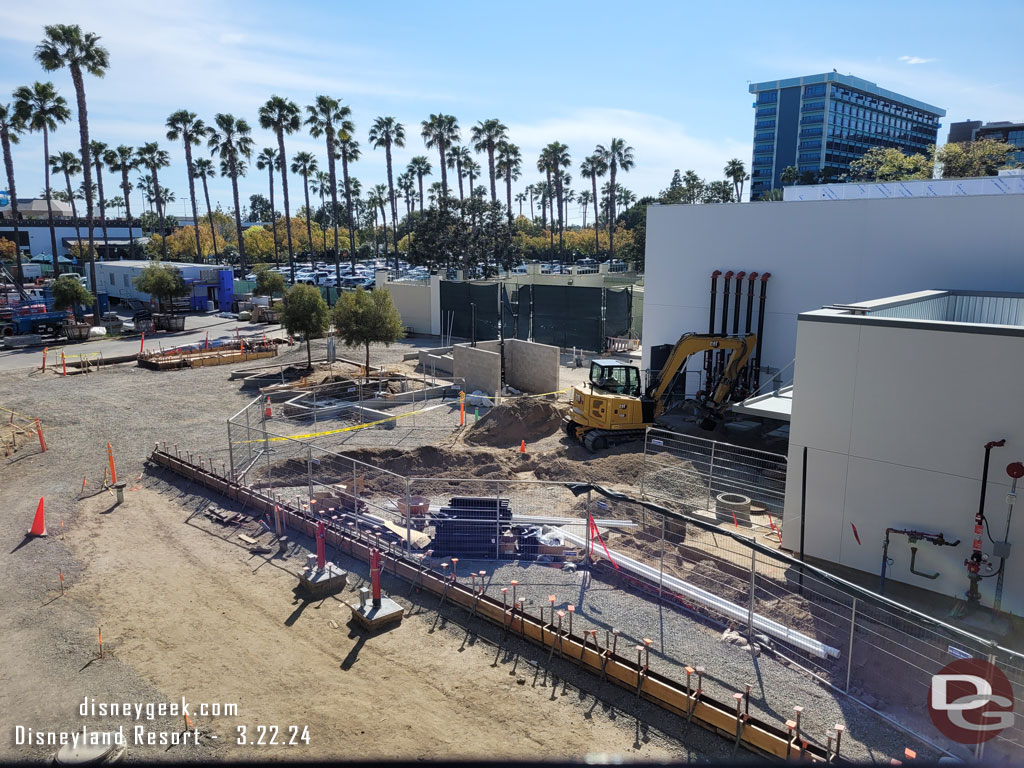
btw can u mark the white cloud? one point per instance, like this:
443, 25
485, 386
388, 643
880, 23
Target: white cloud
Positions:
915, 60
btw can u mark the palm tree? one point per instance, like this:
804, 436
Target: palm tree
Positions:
472, 170
348, 150
407, 186
202, 169
624, 198
269, 160
593, 168
282, 116
486, 135
546, 165
509, 167
117, 202
152, 157
378, 198
737, 173
99, 149
584, 197
327, 117
619, 156
558, 157
231, 140
520, 198
66, 45
457, 158
790, 175
11, 125
186, 126
321, 185
530, 189
122, 160
304, 164
541, 189
43, 109
441, 131
385, 132
419, 167
69, 164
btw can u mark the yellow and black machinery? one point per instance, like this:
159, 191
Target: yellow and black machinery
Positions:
615, 408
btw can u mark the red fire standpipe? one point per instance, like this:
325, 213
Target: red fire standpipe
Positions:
720, 355
1015, 471
375, 576
709, 355
321, 554
750, 312
760, 330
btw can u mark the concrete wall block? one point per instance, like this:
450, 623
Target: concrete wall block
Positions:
531, 367
481, 368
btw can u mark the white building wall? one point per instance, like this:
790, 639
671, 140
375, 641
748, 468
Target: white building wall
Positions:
821, 253
895, 420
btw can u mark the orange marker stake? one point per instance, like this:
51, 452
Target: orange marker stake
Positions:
101, 641
63, 363
143, 342
62, 583
39, 431
113, 470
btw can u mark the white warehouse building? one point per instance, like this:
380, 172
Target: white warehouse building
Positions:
893, 403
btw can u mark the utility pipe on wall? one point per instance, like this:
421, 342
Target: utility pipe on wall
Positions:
760, 329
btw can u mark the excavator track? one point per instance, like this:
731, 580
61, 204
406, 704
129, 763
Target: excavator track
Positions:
599, 439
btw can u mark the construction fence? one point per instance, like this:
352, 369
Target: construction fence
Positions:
661, 568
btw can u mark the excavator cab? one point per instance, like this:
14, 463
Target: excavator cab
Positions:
615, 378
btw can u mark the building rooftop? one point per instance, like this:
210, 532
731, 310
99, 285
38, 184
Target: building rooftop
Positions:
853, 82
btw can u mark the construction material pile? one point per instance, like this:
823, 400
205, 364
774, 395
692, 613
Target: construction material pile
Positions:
507, 425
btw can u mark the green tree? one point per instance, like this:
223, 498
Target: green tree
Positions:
152, 157
282, 116
11, 125
441, 131
69, 293
43, 109
973, 158
619, 157
419, 167
162, 282
68, 164
202, 169
890, 164
737, 174
719, 192
385, 133
771, 196
123, 160
268, 282
790, 175
191, 130
305, 314
348, 150
325, 117
457, 157
231, 140
98, 150
509, 166
260, 208
66, 45
269, 160
363, 318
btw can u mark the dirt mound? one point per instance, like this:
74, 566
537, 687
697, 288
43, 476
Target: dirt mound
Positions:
506, 425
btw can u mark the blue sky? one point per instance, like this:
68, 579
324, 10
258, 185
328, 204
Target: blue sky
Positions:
669, 77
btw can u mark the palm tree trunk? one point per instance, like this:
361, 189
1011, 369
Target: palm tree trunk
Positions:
83, 135
160, 213
192, 196
490, 166
394, 202
287, 210
209, 211
597, 238
444, 175
74, 214
348, 206
558, 191
9, 167
384, 219
551, 208
273, 215
233, 170
420, 177
309, 217
323, 230
128, 211
103, 207
458, 170
49, 201
334, 204
531, 202
508, 194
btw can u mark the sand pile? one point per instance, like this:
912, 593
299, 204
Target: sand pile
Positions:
506, 425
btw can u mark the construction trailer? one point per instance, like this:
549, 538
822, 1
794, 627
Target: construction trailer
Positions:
210, 286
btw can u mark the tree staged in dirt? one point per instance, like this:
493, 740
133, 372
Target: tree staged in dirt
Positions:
162, 282
363, 318
69, 293
305, 314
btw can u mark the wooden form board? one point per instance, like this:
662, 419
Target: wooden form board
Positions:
757, 735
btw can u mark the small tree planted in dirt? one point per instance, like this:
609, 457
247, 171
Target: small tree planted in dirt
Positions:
305, 314
161, 281
363, 318
69, 293
268, 282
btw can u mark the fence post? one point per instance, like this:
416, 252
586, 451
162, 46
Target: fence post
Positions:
314, 408
979, 750
849, 647
711, 473
750, 607
309, 464
408, 519
248, 438
643, 462
661, 565
231, 451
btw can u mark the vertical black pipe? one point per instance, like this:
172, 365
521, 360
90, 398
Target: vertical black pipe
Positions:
709, 355
760, 330
720, 355
739, 300
750, 312
472, 331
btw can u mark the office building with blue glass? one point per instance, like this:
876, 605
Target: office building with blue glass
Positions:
820, 123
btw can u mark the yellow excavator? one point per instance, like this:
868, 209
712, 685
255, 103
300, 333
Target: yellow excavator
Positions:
616, 409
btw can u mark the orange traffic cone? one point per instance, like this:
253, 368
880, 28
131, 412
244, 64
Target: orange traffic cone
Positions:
39, 524
522, 446
267, 413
